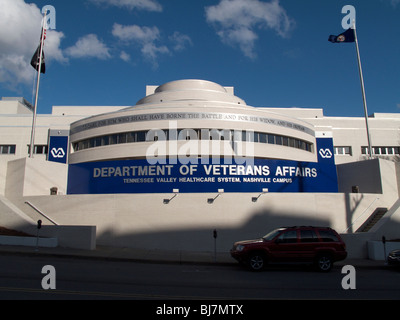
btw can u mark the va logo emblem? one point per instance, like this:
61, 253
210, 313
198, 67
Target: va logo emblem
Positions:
325, 153
57, 153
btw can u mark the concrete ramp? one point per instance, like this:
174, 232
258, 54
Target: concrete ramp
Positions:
389, 225
12, 217
75, 236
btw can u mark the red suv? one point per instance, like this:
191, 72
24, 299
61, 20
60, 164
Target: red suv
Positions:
319, 245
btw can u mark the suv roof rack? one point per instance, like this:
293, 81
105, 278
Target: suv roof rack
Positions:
292, 227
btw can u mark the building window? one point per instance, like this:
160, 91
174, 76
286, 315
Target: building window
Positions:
7, 149
39, 149
262, 137
185, 134
390, 151
105, 140
141, 136
271, 139
121, 138
195, 134
343, 151
131, 137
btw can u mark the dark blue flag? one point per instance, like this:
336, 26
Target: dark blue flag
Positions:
347, 36
35, 62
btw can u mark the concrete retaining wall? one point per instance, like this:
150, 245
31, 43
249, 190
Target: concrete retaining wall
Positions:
187, 222
376, 249
28, 241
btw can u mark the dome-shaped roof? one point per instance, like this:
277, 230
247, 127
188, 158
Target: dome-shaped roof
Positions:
191, 90
190, 84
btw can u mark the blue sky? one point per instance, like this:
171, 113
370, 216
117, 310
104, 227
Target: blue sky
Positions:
275, 53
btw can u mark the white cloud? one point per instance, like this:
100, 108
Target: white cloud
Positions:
89, 46
20, 26
180, 41
150, 41
394, 3
151, 51
135, 33
125, 56
146, 37
52, 46
236, 20
150, 5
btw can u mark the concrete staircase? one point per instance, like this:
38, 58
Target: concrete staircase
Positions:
372, 220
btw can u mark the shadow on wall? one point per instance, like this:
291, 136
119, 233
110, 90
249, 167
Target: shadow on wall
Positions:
201, 239
351, 204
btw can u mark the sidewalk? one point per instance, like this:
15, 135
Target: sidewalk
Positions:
155, 256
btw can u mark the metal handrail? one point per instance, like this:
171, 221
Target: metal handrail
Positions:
41, 213
360, 215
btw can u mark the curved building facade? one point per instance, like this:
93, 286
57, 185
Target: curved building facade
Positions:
195, 129
190, 110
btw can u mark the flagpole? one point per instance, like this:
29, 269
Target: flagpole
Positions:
32, 144
363, 90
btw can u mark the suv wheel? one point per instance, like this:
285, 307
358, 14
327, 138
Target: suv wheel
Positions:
257, 261
324, 262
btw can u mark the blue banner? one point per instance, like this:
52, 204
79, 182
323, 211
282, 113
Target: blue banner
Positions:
247, 175
58, 149
137, 176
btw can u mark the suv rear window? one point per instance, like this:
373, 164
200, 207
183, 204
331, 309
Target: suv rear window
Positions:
327, 235
308, 236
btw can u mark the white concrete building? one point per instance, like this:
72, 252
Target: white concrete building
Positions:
191, 157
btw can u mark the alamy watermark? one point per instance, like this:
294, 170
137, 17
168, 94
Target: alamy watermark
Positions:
349, 280
49, 280
50, 22
200, 146
349, 18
